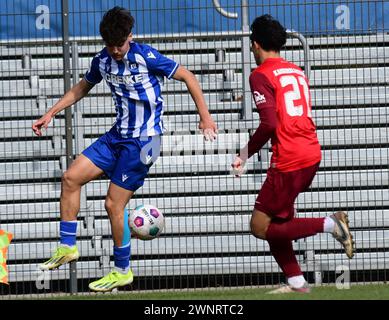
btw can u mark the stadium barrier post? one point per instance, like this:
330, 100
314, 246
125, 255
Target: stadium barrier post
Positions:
68, 114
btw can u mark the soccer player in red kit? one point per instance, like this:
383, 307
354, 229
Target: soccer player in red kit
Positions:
281, 93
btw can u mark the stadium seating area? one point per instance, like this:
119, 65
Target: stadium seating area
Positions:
207, 210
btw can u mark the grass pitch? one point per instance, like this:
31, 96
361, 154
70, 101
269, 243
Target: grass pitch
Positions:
327, 292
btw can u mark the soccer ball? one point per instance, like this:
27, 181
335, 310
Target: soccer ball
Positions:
146, 222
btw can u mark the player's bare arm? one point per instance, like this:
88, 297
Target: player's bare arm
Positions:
75, 94
206, 125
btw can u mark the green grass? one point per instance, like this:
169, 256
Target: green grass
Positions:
356, 292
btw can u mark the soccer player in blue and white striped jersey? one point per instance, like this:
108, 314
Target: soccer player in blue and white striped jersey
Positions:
134, 72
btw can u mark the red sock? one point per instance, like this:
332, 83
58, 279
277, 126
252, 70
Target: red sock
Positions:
283, 252
294, 229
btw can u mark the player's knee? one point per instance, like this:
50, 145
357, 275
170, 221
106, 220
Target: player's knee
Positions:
69, 182
259, 226
258, 231
111, 206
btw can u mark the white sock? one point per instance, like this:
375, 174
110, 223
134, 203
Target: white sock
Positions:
297, 281
64, 245
329, 225
121, 270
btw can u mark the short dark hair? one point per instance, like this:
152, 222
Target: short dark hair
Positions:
116, 25
268, 33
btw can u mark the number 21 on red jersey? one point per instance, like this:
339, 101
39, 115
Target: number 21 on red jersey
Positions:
299, 87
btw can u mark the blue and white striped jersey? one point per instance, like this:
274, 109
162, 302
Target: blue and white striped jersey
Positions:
135, 84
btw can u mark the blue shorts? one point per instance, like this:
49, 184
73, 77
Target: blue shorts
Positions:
126, 161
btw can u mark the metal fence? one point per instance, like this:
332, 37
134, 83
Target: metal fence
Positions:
46, 46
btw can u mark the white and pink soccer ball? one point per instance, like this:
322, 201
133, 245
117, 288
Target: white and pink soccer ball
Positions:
146, 222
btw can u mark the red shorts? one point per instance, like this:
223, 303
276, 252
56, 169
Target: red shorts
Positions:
280, 190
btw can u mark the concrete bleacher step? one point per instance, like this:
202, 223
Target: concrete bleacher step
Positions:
205, 204
339, 116
332, 97
21, 108
96, 105
176, 144
201, 164
169, 205
204, 244
318, 78
189, 224
173, 144
39, 249
210, 184
221, 162
353, 56
89, 46
30, 170
29, 210
335, 98
222, 222
357, 116
153, 268
214, 184
55, 87
358, 219
350, 56
38, 149
173, 225
325, 97
188, 205
24, 272
364, 240
160, 246
371, 116
361, 261
233, 265
177, 123
374, 198
355, 157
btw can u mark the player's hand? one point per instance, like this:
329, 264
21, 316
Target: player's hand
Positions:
238, 167
43, 122
209, 129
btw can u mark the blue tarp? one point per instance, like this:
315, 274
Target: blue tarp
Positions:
21, 19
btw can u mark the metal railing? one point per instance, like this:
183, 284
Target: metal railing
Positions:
247, 111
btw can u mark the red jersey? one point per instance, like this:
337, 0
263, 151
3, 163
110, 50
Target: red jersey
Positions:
281, 93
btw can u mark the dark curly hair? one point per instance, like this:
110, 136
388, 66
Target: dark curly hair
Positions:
116, 25
268, 33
